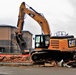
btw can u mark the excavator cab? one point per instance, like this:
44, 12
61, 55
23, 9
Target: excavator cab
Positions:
42, 41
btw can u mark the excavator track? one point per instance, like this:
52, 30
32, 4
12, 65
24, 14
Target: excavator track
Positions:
45, 56
39, 56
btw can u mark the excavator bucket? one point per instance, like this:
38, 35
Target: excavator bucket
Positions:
21, 42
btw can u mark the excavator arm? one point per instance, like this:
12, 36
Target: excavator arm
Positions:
19, 35
39, 18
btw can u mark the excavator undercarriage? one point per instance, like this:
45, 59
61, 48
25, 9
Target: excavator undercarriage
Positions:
46, 55
43, 55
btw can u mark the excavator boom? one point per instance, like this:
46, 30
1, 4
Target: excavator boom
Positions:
39, 18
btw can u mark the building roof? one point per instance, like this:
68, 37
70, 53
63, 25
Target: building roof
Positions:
10, 26
27, 31
2, 25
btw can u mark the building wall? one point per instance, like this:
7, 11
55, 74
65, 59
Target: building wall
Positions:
28, 39
4, 33
7, 38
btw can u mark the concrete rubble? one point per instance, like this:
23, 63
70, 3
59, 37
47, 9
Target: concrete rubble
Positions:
15, 58
19, 60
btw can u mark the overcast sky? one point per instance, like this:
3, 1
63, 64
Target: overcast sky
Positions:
60, 14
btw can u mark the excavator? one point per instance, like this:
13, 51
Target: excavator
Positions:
47, 47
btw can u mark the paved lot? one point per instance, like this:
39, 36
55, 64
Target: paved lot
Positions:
27, 70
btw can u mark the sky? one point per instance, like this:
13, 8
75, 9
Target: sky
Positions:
60, 14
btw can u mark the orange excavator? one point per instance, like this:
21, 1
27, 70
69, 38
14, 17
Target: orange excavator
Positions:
47, 47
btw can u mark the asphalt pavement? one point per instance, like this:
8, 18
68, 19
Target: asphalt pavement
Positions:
36, 70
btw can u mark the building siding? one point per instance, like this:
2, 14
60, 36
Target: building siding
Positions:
7, 34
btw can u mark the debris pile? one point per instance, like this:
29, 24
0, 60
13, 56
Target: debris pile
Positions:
15, 58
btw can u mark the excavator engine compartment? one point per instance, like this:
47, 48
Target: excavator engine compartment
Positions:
62, 43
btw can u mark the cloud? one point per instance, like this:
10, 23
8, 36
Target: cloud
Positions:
60, 14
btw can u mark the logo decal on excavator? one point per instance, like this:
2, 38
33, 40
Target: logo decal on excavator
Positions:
72, 43
32, 15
